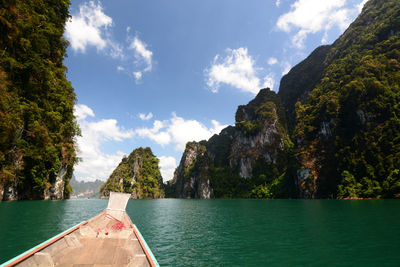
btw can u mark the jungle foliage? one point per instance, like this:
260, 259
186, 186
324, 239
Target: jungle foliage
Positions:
138, 174
351, 120
37, 125
337, 114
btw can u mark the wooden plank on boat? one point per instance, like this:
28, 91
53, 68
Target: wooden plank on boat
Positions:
108, 239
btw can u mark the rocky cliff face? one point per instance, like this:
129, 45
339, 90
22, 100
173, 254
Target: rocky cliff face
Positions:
37, 124
252, 149
300, 81
192, 177
138, 174
259, 135
332, 131
346, 130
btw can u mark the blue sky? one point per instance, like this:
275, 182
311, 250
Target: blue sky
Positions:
161, 73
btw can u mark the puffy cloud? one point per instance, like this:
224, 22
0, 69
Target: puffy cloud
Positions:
145, 117
87, 27
269, 82
179, 131
272, 61
95, 163
183, 131
167, 165
311, 16
154, 134
82, 111
278, 3
92, 27
236, 69
142, 53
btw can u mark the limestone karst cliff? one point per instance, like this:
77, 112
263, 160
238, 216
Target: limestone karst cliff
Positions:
247, 160
332, 131
37, 124
138, 174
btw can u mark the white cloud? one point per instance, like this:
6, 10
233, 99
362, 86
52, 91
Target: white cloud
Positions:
278, 3
311, 16
92, 27
154, 134
116, 50
236, 69
179, 131
269, 82
138, 75
95, 163
145, 117
361, 5
167, 165
286, 67
87, 27
272, 61
142, 53
82, 111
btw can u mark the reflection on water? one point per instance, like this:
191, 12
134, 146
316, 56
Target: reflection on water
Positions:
228, 232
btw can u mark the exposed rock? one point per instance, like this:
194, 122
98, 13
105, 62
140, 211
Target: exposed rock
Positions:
325, 129
10, 192
340, 104
362, 116
255, 143
192, 176
56, 190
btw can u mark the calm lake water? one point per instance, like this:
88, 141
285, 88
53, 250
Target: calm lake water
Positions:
228, 232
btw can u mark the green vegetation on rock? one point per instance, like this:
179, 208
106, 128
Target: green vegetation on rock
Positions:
37, 125
350, 123
138, 174
332, 131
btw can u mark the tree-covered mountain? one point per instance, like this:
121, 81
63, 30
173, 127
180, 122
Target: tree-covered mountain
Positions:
332, 131
37, 125
138, 174
348, 129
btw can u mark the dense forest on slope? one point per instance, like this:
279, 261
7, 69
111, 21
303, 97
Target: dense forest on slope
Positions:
37, 124
138, 174
332, 131
348, 129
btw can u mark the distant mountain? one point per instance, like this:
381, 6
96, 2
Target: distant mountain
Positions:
83, 189
332, 131
138, 174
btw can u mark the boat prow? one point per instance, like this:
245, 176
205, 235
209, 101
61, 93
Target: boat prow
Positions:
108, 239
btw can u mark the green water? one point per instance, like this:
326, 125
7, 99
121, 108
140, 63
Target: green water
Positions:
229, 232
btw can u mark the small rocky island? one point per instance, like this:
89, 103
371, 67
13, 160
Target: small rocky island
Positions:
138, 174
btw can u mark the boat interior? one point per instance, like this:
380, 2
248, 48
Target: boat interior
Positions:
108, 239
